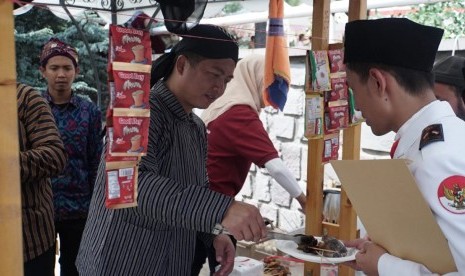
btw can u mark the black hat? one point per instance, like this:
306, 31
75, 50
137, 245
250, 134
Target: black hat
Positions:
209, 41
449, 71
392, 41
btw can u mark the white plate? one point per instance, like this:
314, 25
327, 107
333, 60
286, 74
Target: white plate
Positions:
290, 248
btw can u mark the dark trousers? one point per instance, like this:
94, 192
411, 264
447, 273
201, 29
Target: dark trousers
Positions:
203, 252
70, 233
42, 265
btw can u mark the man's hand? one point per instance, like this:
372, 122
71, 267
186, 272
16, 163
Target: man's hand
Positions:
244, 222
225, 254
357, 244
367, 257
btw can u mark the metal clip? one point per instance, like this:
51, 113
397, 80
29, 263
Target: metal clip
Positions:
269, 222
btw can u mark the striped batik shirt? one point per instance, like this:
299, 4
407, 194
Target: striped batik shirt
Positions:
42, 155
175, 204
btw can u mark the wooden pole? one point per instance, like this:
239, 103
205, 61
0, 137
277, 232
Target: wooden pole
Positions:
357, 9
347, 228
314, 207
320, 24
350, 151
11, 250
315, 169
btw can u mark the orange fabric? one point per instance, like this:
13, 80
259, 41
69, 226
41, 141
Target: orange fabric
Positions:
276, 56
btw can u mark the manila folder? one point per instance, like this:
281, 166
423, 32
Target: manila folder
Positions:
394, 212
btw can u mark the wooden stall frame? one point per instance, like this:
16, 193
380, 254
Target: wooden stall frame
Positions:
11, 253
347, 227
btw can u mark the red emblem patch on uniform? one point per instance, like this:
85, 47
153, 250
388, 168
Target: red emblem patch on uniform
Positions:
451, 194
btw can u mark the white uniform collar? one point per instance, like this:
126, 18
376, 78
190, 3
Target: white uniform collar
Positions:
411, 130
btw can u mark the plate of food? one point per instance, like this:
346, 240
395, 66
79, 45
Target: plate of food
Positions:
323, 250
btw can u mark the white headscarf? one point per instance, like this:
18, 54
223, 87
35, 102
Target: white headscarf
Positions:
246, 88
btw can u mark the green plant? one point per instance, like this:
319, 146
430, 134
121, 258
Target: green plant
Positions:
231, 8
448, 15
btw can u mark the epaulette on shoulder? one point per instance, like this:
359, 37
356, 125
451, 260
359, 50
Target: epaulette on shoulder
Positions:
431, 134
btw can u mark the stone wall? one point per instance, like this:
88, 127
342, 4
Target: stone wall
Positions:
286, 130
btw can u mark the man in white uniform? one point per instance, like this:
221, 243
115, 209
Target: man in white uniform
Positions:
389, 67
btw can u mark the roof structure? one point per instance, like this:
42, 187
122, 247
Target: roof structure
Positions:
174, 14
254, 11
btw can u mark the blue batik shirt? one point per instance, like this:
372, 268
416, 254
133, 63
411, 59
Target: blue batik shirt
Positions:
80, 126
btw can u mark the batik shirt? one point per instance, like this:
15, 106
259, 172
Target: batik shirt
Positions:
41, 156
80, 125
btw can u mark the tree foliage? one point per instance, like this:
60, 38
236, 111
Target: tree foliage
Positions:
35, 28
448, 15
232, 8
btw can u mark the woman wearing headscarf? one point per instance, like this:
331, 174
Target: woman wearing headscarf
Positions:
237, 138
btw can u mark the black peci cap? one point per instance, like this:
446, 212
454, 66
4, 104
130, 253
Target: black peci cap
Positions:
450, 71
392, 41
209, 41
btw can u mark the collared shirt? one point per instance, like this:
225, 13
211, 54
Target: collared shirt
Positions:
174, 203
80, 125
436, 167
42, 155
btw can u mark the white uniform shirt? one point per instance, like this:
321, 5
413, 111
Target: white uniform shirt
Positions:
437, 166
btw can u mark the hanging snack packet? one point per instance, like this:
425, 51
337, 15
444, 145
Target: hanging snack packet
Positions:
121, 173
121, 184
130, 132
319, 73
130, 45
111, 158
338, 91
131, 89
331, 147
336, 61
314, 110
337, 115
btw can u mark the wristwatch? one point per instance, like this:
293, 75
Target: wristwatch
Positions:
219, 229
